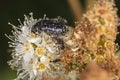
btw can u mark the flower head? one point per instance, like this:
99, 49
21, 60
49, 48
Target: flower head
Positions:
36, 54
92, 40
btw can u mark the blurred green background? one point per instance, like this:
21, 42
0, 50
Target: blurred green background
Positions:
11, 10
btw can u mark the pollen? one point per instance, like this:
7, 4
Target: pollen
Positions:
33, 35
49, 58
41, 66
99, 58
48, 41
39, 51
27, 46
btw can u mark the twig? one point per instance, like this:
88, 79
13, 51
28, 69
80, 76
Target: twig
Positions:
77, 8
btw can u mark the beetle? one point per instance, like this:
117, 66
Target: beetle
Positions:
54, 26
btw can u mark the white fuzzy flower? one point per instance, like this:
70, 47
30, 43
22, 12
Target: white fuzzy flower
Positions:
34, 54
